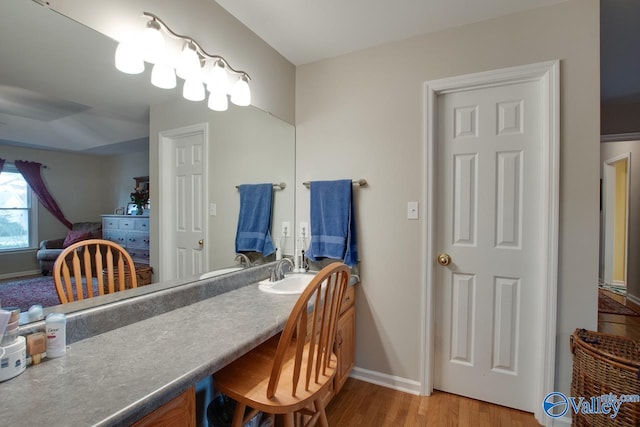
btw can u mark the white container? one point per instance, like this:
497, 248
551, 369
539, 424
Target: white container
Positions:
56, 330
14, 360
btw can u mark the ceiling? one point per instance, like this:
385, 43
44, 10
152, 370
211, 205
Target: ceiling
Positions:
305, 31
59, 88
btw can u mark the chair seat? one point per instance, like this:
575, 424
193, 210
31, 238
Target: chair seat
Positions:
248, 377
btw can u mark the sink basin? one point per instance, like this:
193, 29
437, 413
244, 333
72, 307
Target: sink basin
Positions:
291, 285
219, 272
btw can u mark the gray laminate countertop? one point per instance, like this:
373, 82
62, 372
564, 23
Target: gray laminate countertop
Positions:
117, 377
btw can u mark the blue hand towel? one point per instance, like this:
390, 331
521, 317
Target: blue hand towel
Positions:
333, 226
254, 219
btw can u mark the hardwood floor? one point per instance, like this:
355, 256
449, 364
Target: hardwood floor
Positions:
628, 326
364, 404
361, 404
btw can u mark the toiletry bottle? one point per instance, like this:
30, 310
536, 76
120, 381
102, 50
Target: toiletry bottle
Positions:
56, 330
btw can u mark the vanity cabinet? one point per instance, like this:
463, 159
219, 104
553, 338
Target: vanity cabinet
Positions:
179, 412
129, 231
345, 348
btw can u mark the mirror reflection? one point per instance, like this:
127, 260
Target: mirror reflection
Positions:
115, 118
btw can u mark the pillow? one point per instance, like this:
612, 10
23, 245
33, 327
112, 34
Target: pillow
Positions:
74, 236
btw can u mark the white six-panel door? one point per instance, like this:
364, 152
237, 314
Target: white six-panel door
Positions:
488, 194
183, 173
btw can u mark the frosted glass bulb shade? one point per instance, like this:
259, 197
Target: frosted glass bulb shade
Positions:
152, 43
163, 76
218, 101
188, 63
218, 80
128, 59
241, 94
193, 90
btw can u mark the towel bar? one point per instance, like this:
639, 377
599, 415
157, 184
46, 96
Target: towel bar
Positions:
277, 186
360, 182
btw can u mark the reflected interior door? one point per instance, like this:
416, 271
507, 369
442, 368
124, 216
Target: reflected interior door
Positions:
185, 249
487, 221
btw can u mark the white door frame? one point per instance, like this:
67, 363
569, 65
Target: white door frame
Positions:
166, 239
548, 75
607, 239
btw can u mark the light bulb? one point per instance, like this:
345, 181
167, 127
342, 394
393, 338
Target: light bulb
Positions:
218, 101
193, 90
188, 62
163, 76
152, 43
218, 79
128, 58
241, 94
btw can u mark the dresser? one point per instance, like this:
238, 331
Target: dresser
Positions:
129, 231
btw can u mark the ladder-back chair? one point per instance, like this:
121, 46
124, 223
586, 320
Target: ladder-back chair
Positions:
82, 262
292, 372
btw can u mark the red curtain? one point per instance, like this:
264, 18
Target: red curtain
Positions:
31, 173
1, 164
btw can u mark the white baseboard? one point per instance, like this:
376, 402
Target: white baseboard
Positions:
19, 274
386, 380
633, 298
562, 421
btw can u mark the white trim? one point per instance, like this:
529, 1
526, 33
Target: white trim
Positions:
165, 202
611, 164
616, 137
561, 421
19, 274
633, 298
390, 381
548, 74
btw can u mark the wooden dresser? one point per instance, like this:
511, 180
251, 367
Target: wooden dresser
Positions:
129, 231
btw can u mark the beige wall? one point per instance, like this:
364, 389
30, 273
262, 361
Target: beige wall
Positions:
82, 186
272, 84
610, 150
361, 116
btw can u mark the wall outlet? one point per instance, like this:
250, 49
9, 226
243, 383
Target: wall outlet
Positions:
286, 229
304, 229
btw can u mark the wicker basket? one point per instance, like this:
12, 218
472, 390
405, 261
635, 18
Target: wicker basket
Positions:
603, 364
143, 276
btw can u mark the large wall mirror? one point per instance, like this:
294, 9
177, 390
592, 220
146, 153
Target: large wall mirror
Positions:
66, 61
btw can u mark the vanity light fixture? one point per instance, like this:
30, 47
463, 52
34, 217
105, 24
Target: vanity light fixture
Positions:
193, 64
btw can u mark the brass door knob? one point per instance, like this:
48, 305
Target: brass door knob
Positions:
444, 259
201, 242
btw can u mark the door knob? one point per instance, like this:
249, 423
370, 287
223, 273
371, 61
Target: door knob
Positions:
201, 242
444, 259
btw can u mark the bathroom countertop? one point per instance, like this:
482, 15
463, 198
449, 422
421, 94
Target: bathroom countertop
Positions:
117, 377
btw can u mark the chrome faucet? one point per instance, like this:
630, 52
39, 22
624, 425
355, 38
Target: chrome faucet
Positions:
244, 260
277, 273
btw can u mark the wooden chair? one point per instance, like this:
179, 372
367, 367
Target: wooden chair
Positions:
292, 372
77, 266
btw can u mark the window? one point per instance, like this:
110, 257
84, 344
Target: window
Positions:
17, 214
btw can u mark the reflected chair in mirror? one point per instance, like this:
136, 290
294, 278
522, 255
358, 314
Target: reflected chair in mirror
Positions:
292, 372
91, 268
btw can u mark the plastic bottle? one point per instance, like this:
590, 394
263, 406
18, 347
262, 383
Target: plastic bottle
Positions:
56, 330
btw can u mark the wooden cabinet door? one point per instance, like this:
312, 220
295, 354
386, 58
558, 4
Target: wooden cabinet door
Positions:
345, 346
179, 412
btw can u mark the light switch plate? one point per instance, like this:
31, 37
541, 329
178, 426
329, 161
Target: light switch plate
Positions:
412, 210
286, 229
304, 229
213, 209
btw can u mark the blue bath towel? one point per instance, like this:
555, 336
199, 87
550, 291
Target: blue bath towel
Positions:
333, 226
254, 219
